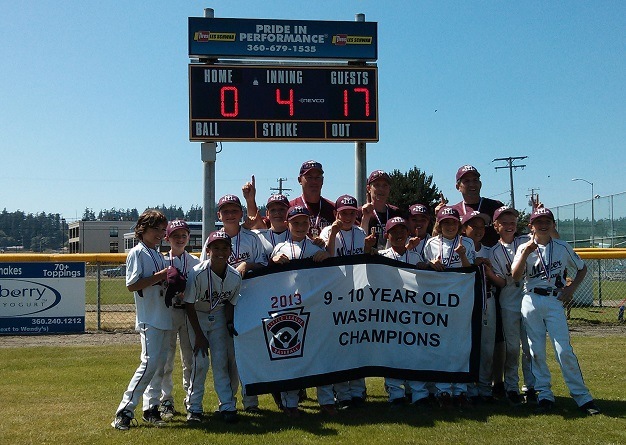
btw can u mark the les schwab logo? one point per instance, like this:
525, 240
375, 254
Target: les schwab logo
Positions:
208, 36
285, 332
344, 39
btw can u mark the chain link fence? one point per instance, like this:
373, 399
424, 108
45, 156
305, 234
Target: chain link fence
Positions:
600, 299
600, 222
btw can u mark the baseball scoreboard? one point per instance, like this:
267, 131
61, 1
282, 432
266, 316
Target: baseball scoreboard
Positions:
283, 103
233, 96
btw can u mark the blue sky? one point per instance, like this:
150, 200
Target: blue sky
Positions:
94, 101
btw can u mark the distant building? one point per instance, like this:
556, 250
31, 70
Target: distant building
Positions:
98, 236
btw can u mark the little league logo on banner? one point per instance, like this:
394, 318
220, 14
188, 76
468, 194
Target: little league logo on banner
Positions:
285, 332
308, 324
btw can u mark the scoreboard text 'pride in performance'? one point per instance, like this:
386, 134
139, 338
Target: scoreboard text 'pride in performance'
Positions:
283, 103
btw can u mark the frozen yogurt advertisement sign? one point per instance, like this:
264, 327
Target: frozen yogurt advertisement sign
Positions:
42, 298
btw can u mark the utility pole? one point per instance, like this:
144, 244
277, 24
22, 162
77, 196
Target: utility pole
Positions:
280, 188
534, 197
510, 166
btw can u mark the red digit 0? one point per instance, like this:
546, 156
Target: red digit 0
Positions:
235, 111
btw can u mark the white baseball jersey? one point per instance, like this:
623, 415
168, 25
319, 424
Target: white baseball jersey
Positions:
546, 266
410, 256
296, 250
183, 263
443, 248
246, 246
208, 291
347, 242
271, 239
501, 256
143, 262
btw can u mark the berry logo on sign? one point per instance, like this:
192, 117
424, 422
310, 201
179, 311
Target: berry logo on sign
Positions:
23, 297
285, 332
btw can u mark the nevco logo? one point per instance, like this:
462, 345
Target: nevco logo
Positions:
285, 332
22, 297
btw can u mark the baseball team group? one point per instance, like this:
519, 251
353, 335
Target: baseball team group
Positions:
182, 299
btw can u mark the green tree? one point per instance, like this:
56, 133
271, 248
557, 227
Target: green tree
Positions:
412, 187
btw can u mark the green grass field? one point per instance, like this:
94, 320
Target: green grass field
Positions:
68, 395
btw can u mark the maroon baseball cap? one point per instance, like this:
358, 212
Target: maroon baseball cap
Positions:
217, 236
447, 212
278, 199
310, 165
376, 175
419, 209
541, 211
504, 209
465, 169
228, 199
475, 214
296, 211
395, 221
175, 225
346, 202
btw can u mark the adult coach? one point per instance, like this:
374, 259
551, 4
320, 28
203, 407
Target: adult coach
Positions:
469, 184
321, 210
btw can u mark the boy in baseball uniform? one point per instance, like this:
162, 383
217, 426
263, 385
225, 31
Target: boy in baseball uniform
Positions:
541, 264
299, 246
343, 237
247, 254
181, 263
501, 255
276, 211
397, 233
449, 249
212, 291
474, 224
378, 211
146, 275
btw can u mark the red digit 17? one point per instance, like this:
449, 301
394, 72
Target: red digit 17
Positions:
364, 91
285, 102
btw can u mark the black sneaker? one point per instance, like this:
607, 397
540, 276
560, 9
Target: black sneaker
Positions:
461, 401
344, 404
423, 403
229, 416
253, 409
590, 408
498, 391
358, 401
531, 395
444, 399
153, 416
544, 406
123, 420
513, 398
397, 403
194, 417
167, 410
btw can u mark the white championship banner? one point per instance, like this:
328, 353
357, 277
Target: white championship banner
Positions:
307, 324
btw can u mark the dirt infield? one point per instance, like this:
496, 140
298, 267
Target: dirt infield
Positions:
120, 338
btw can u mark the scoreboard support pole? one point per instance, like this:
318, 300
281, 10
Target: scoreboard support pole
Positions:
360, 156
208, 154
